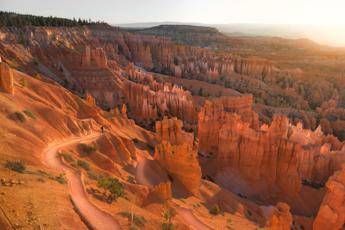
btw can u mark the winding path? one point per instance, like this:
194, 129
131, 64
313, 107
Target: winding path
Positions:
96, 218
190, 219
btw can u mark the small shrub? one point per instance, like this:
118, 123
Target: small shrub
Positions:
30, 114
138, 221
249, 213
83, 164
17, 166
168, 214
41, 180
131, 180
23, 83
112, 186
61, 178
167, 226
215, 210
17, 116
93, 176
66, 156
86, 150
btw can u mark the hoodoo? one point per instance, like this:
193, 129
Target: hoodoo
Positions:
6, 78
177, 153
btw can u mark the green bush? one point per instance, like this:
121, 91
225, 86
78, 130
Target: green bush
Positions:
131, 180
67, 157
168, 214
167, 226
94, 176
138, 221
61, 178
17, 166
111, 185
29, 113
18, 116
86, 150
83, 164
23, 83
215, 210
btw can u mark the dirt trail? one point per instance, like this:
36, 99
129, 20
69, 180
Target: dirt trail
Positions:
190, 219
95, 217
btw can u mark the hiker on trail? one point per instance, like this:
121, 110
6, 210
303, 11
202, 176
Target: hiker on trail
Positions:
102, 129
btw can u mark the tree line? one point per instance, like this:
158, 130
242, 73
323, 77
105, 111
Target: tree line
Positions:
9, 19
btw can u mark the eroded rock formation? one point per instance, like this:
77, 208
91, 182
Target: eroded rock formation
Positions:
6, 78
161, 192
267, 161
90, 100
94, 58
177, 153
332, 211
278, 217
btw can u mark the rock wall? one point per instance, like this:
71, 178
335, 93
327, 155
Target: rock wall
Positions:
332, 211
149, 100
6, 78
94, 58
163, 56
214, 115
161, 192
271, 161
177, 153
253, 66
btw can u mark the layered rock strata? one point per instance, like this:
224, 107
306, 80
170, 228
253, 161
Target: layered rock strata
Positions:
177, 153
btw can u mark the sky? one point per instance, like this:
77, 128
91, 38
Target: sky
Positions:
317, 12
329, 15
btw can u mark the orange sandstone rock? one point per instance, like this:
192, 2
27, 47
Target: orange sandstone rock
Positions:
94, 58
90, 100
6, 78
160, 192
279, 217
269, 163
177, 153
332, 211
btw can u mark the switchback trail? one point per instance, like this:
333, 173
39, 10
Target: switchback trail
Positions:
96, 218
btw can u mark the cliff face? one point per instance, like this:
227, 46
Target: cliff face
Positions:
6, 78
163, 56
267, 161
93, 58
161, 193
177, 153
150, 100
113, 85
253, 67
332, 211
216, 113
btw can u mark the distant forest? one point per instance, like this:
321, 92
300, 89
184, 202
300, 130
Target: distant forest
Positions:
20, 20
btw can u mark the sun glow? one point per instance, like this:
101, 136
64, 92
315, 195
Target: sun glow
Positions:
327, 17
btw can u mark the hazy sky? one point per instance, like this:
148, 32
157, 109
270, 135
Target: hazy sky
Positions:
202, 11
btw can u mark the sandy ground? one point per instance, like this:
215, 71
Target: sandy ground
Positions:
97, 218
190, 219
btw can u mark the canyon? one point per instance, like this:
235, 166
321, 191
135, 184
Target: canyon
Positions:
183, 134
